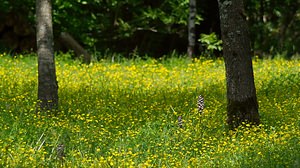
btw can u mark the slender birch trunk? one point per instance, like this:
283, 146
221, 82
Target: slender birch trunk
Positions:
191, 28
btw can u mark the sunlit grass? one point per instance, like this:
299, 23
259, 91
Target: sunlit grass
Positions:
125, 115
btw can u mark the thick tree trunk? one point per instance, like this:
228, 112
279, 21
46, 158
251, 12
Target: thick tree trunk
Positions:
191, 28
241, 93
47, 83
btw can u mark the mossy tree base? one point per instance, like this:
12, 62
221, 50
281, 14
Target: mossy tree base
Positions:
244, 111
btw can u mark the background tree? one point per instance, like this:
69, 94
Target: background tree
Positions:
241, 93
191, 28
47, 83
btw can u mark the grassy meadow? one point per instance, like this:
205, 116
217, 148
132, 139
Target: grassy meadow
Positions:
124, 114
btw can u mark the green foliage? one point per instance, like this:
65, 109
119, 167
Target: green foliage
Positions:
104, 22
211, 43
275, 25
125, 114
99, 24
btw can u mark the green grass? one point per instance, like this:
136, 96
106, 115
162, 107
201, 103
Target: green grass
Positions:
125, 115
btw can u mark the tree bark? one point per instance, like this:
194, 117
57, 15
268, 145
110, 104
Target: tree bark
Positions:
47, 83
241, 93
191, 28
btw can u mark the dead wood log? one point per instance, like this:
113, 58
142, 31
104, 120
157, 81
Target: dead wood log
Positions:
70, 43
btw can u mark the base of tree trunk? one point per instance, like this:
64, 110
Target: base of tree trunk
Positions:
190, 51
47, 107
239, 112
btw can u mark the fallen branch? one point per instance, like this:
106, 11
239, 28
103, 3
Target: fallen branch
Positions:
70, 43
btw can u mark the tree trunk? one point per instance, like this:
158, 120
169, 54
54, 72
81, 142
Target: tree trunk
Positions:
47, 83
191, 28
241, 93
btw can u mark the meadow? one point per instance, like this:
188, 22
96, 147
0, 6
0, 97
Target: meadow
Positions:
124, 114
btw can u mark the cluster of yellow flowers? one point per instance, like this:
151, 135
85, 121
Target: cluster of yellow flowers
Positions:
125, 115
